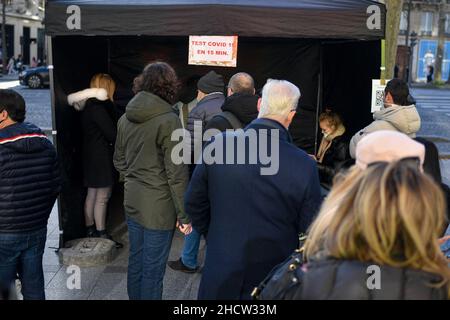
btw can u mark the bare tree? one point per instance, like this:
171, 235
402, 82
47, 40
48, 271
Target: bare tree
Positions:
394, 12
441, 42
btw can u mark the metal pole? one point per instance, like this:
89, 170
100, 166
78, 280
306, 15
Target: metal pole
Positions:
319, 98
54, 125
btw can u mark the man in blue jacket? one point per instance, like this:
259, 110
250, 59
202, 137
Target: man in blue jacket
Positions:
29, 185
252, 212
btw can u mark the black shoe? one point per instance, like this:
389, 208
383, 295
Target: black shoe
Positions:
102, 234
91, 232
178, 265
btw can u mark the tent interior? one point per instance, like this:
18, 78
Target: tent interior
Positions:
332, 74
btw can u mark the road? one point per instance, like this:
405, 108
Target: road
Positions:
434, 108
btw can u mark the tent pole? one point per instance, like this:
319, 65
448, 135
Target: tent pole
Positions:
54, 127
319, 97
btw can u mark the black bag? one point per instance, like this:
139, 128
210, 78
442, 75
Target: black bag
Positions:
283, 282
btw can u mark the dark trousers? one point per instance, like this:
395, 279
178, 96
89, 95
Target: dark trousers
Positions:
149, 251
21, 254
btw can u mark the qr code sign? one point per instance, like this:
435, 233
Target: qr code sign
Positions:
379, 99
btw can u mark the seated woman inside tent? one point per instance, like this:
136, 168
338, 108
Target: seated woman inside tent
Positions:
333, 152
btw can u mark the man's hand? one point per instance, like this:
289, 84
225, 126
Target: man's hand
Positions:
184, 228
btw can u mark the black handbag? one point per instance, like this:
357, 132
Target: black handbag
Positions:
283, 282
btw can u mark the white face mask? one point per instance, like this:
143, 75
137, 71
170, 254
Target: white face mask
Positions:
325, 134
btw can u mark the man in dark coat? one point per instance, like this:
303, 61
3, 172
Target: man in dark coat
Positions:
251, 216
29, 185
210, 98
240, 107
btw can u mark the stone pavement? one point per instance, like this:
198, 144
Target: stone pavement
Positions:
109, 282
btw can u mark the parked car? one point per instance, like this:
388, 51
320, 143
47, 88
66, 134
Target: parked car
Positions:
35, 78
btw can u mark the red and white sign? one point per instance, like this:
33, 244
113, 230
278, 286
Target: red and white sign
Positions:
213, 50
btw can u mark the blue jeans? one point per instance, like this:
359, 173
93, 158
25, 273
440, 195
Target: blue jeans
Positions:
21, 254
149, 251
190, 249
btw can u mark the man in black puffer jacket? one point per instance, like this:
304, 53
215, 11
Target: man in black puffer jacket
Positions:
29, 185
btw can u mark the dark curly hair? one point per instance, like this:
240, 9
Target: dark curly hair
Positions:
160, 79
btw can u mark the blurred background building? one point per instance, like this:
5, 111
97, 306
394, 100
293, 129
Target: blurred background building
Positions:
24, 30
427, 37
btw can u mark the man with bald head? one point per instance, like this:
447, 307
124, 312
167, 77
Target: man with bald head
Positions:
240, 107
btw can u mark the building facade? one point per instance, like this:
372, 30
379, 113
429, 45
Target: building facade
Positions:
430, 20
24, 30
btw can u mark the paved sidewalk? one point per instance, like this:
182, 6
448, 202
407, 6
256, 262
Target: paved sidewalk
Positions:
110, 282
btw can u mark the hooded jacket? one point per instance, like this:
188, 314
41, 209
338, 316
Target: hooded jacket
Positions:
405, 119
29, 178
243, 106
154, 185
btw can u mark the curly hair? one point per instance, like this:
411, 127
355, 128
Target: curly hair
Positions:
160, 79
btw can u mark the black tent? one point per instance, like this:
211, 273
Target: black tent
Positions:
327, 47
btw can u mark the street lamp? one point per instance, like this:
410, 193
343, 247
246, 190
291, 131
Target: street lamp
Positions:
412, 44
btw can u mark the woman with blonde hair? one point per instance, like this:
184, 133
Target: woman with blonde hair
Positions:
99, 130
333, 151
376, 236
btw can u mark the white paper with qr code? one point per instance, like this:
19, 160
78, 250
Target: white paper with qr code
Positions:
377, 95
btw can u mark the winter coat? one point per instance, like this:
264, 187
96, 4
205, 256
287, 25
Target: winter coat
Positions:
404, 119
99, 130
252, 222
243, 106
335, 159
154, 185
29, 178
348, 280
202, 113
432, 167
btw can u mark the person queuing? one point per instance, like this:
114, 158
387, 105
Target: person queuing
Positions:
398, 114
376, 236
154, 185
99, 130
29, 184
251, 221
239, 109
333, 151
210, 98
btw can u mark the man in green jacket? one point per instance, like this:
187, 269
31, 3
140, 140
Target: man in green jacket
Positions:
154, 185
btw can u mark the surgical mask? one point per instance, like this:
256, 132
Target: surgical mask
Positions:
325, 134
